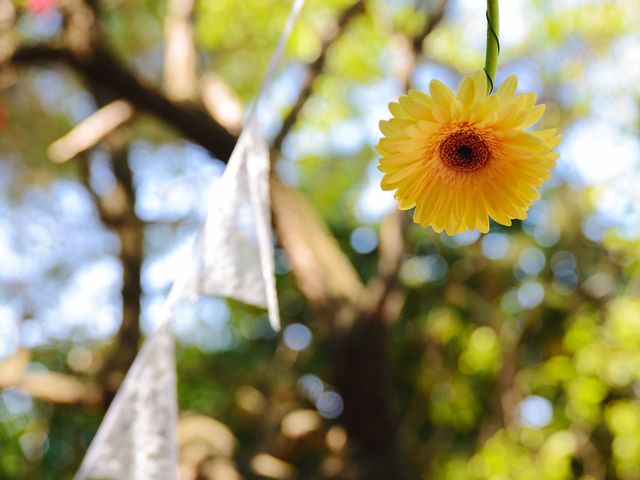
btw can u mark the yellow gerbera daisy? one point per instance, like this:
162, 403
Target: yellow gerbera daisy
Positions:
461, 158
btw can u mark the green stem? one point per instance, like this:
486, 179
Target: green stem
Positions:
493, 44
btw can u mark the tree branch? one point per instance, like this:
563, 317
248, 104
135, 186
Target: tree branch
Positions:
433, 20
90, 131
313, 72
51, 387
101, 69
323, 272
180, 55
117, 212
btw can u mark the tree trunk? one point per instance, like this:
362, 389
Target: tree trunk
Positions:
362, 376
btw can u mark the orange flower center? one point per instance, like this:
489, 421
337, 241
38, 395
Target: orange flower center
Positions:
464, 151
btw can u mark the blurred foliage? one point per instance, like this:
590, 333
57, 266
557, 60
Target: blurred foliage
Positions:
516, 354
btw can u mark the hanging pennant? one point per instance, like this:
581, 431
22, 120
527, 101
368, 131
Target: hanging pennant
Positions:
233, 257
236, 245
137, 438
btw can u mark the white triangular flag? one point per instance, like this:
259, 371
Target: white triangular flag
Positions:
137, 438
236, 244
234, 258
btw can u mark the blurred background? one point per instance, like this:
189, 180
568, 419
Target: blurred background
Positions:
404, 354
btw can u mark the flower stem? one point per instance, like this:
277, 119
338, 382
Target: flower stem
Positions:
493, 44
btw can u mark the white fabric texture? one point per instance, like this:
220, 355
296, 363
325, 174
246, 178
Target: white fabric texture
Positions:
236, 245
137, 438
233, 257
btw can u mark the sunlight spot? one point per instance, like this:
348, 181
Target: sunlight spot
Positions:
536, 412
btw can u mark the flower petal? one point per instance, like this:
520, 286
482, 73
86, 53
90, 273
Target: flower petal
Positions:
449, 196
441, 94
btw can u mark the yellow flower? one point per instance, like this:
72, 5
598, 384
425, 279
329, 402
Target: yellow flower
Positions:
461, 158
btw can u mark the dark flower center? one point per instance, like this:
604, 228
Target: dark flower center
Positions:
464, 151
